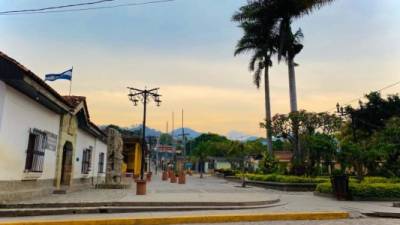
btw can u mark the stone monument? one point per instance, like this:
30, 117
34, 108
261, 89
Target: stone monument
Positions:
114, 161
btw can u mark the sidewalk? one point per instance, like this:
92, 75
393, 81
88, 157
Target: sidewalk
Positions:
208, 189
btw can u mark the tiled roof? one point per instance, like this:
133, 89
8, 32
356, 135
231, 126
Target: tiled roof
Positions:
74, 101
283, 155
33, 76
70, 101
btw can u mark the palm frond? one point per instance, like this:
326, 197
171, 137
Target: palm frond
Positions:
308, 6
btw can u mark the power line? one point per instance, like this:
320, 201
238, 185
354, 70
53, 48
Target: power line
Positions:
56, 7
89, 8
356, 99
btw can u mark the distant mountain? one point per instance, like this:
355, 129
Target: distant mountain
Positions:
149, 131
191, 134
156, 133
240, 136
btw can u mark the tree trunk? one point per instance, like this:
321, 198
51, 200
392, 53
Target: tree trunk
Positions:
292, 86
268, 110
293, 108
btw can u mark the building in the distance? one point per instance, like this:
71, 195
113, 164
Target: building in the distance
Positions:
47, 141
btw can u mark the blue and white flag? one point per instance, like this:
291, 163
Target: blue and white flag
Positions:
66, 75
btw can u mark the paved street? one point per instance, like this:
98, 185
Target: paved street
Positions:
212, 189
367, 221
209, 189
217, 189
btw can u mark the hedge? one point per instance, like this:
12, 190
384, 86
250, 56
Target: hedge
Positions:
325, 188
366, 190
373, 180
284, 178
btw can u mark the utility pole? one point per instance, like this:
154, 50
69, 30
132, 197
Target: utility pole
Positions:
173, 124
183, 138
135, 95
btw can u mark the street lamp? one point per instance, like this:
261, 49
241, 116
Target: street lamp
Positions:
145, 96
345, 112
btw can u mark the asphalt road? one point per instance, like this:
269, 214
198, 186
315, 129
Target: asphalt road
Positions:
364, 221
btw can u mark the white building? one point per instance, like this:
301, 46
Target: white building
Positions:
47, 141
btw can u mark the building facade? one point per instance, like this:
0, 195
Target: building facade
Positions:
47, 141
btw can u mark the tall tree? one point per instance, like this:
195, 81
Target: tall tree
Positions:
284, 12
260, 40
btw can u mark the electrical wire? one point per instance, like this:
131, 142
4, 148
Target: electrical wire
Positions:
87, 9
357, 99
56, 7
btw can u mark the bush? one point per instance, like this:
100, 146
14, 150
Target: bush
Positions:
367, 190
285, 179
375, 190
325, 188
373, 180
226, 172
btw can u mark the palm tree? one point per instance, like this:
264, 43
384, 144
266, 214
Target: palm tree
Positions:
282, 13
290, 45
259, 39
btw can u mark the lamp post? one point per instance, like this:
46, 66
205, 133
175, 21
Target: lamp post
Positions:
145, 96
343, 112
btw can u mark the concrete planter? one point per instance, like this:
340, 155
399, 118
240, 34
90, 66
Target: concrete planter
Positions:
140, 187
164, 176
173, 178
148, 176
277, 185
182, 178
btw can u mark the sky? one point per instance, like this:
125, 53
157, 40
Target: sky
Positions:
186, 47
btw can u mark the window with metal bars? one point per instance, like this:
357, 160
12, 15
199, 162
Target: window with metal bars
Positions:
35, 152
86, 161
101, 163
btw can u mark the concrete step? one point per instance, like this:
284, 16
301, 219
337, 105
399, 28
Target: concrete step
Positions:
21, 212
101, 204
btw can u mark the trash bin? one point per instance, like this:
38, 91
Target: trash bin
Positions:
340, 187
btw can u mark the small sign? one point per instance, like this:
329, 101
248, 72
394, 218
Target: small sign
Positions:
51, 141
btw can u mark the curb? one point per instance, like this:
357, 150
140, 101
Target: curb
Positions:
393, 215
104, 210
191, 219
146, 204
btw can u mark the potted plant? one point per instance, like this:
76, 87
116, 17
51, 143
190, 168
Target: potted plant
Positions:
140, 187
340, 185
182, 178
164, 175
173, 177
148, 176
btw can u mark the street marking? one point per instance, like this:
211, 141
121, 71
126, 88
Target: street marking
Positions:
190, 219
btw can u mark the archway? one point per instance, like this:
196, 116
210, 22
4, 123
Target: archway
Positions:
66, 168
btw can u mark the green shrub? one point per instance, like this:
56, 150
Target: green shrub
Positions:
325, 188
366, 190
284, 178
373, 180
375, 190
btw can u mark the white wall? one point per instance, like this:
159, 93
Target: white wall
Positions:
2, 97
101, 147
83, 141
18, 114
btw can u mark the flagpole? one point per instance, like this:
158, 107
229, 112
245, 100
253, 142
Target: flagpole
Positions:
70, 82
